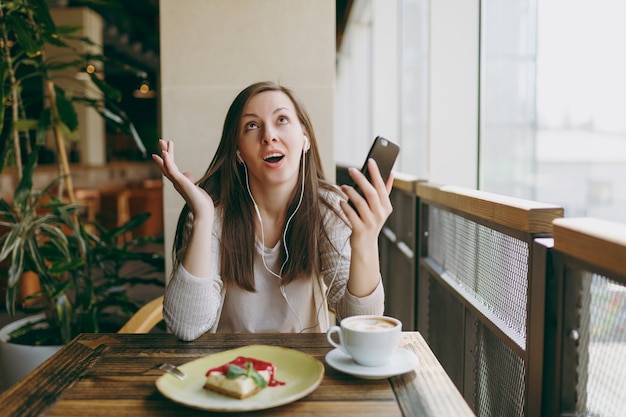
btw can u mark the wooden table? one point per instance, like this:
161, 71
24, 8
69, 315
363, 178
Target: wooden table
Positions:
114, 375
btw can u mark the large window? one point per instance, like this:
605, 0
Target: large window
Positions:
507, 97
550, 87
382, 82
413, 95
553, 100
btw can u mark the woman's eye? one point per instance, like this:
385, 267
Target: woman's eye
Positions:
251, 125
282, 120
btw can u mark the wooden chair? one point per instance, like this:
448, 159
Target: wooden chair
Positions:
144, 320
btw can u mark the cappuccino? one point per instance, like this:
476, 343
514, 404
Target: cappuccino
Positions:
369, 339
369, 324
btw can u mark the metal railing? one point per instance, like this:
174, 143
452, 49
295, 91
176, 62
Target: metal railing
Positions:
586, 320
481, 294
525, 309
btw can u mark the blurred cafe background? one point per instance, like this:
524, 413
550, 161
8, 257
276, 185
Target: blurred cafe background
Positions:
521, 99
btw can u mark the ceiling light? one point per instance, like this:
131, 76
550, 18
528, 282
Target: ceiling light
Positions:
144, 91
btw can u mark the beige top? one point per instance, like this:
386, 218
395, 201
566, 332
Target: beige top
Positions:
195, 305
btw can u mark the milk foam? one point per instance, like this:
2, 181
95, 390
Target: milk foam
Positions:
370, 324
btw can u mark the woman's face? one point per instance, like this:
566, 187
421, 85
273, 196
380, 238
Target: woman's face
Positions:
271, 140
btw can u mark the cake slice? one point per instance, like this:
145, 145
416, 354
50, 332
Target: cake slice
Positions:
241, 377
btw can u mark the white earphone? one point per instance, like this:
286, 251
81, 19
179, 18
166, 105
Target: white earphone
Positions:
279, 274
284, 240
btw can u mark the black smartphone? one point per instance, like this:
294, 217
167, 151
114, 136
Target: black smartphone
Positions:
385, 153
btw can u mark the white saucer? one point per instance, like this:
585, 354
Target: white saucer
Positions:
402, 361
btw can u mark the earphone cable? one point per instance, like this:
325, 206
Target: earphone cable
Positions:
258, 213
327, 291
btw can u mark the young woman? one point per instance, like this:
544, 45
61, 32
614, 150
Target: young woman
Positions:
264, 242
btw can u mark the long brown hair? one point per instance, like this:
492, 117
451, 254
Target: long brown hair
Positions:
225, 182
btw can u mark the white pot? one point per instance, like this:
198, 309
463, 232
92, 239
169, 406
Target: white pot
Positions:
17, 361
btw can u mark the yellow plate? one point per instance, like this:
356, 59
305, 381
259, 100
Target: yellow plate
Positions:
301, 373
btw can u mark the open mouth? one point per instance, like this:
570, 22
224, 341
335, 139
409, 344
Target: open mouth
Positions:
273, 158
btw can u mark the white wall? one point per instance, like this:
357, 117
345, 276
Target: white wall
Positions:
212, 49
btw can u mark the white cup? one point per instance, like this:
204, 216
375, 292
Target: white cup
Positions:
369, 339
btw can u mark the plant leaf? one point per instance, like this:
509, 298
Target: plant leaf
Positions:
256, 377
24, 188
43, 17
109, 91
67, 113
133, 132
6, 209
132, 224
32, 250
107, 114
25, 328
11, 299
54, 39
235, 371
114, 63
24, 125
128, 127
63, 65
56, 238
11, 242
48, 187
24, 36
16, 270
59, 267
43, 126
69, 30
64, 317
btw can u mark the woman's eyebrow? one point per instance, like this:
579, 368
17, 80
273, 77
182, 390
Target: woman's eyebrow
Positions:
278, 110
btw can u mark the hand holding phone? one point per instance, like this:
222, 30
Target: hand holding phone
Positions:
385, 153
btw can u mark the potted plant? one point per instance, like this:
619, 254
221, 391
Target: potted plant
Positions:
83, 277
81, 270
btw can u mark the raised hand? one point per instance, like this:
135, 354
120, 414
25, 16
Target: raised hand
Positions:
374, 208
373, 211
196, 198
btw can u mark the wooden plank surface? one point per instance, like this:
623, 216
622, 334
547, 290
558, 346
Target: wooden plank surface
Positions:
405, 182
518, 214
597, 242
54, 377
104, 375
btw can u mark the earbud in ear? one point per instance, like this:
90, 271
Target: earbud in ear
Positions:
307, 146
239, 158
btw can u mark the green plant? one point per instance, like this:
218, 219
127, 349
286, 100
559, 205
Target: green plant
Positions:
35, 103
81, 272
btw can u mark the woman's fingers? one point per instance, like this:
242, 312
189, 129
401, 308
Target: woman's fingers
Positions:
374, 205
169, 168
189, 176
183, 182
383, 189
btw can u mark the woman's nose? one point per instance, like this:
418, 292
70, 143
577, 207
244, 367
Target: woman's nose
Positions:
269, 135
